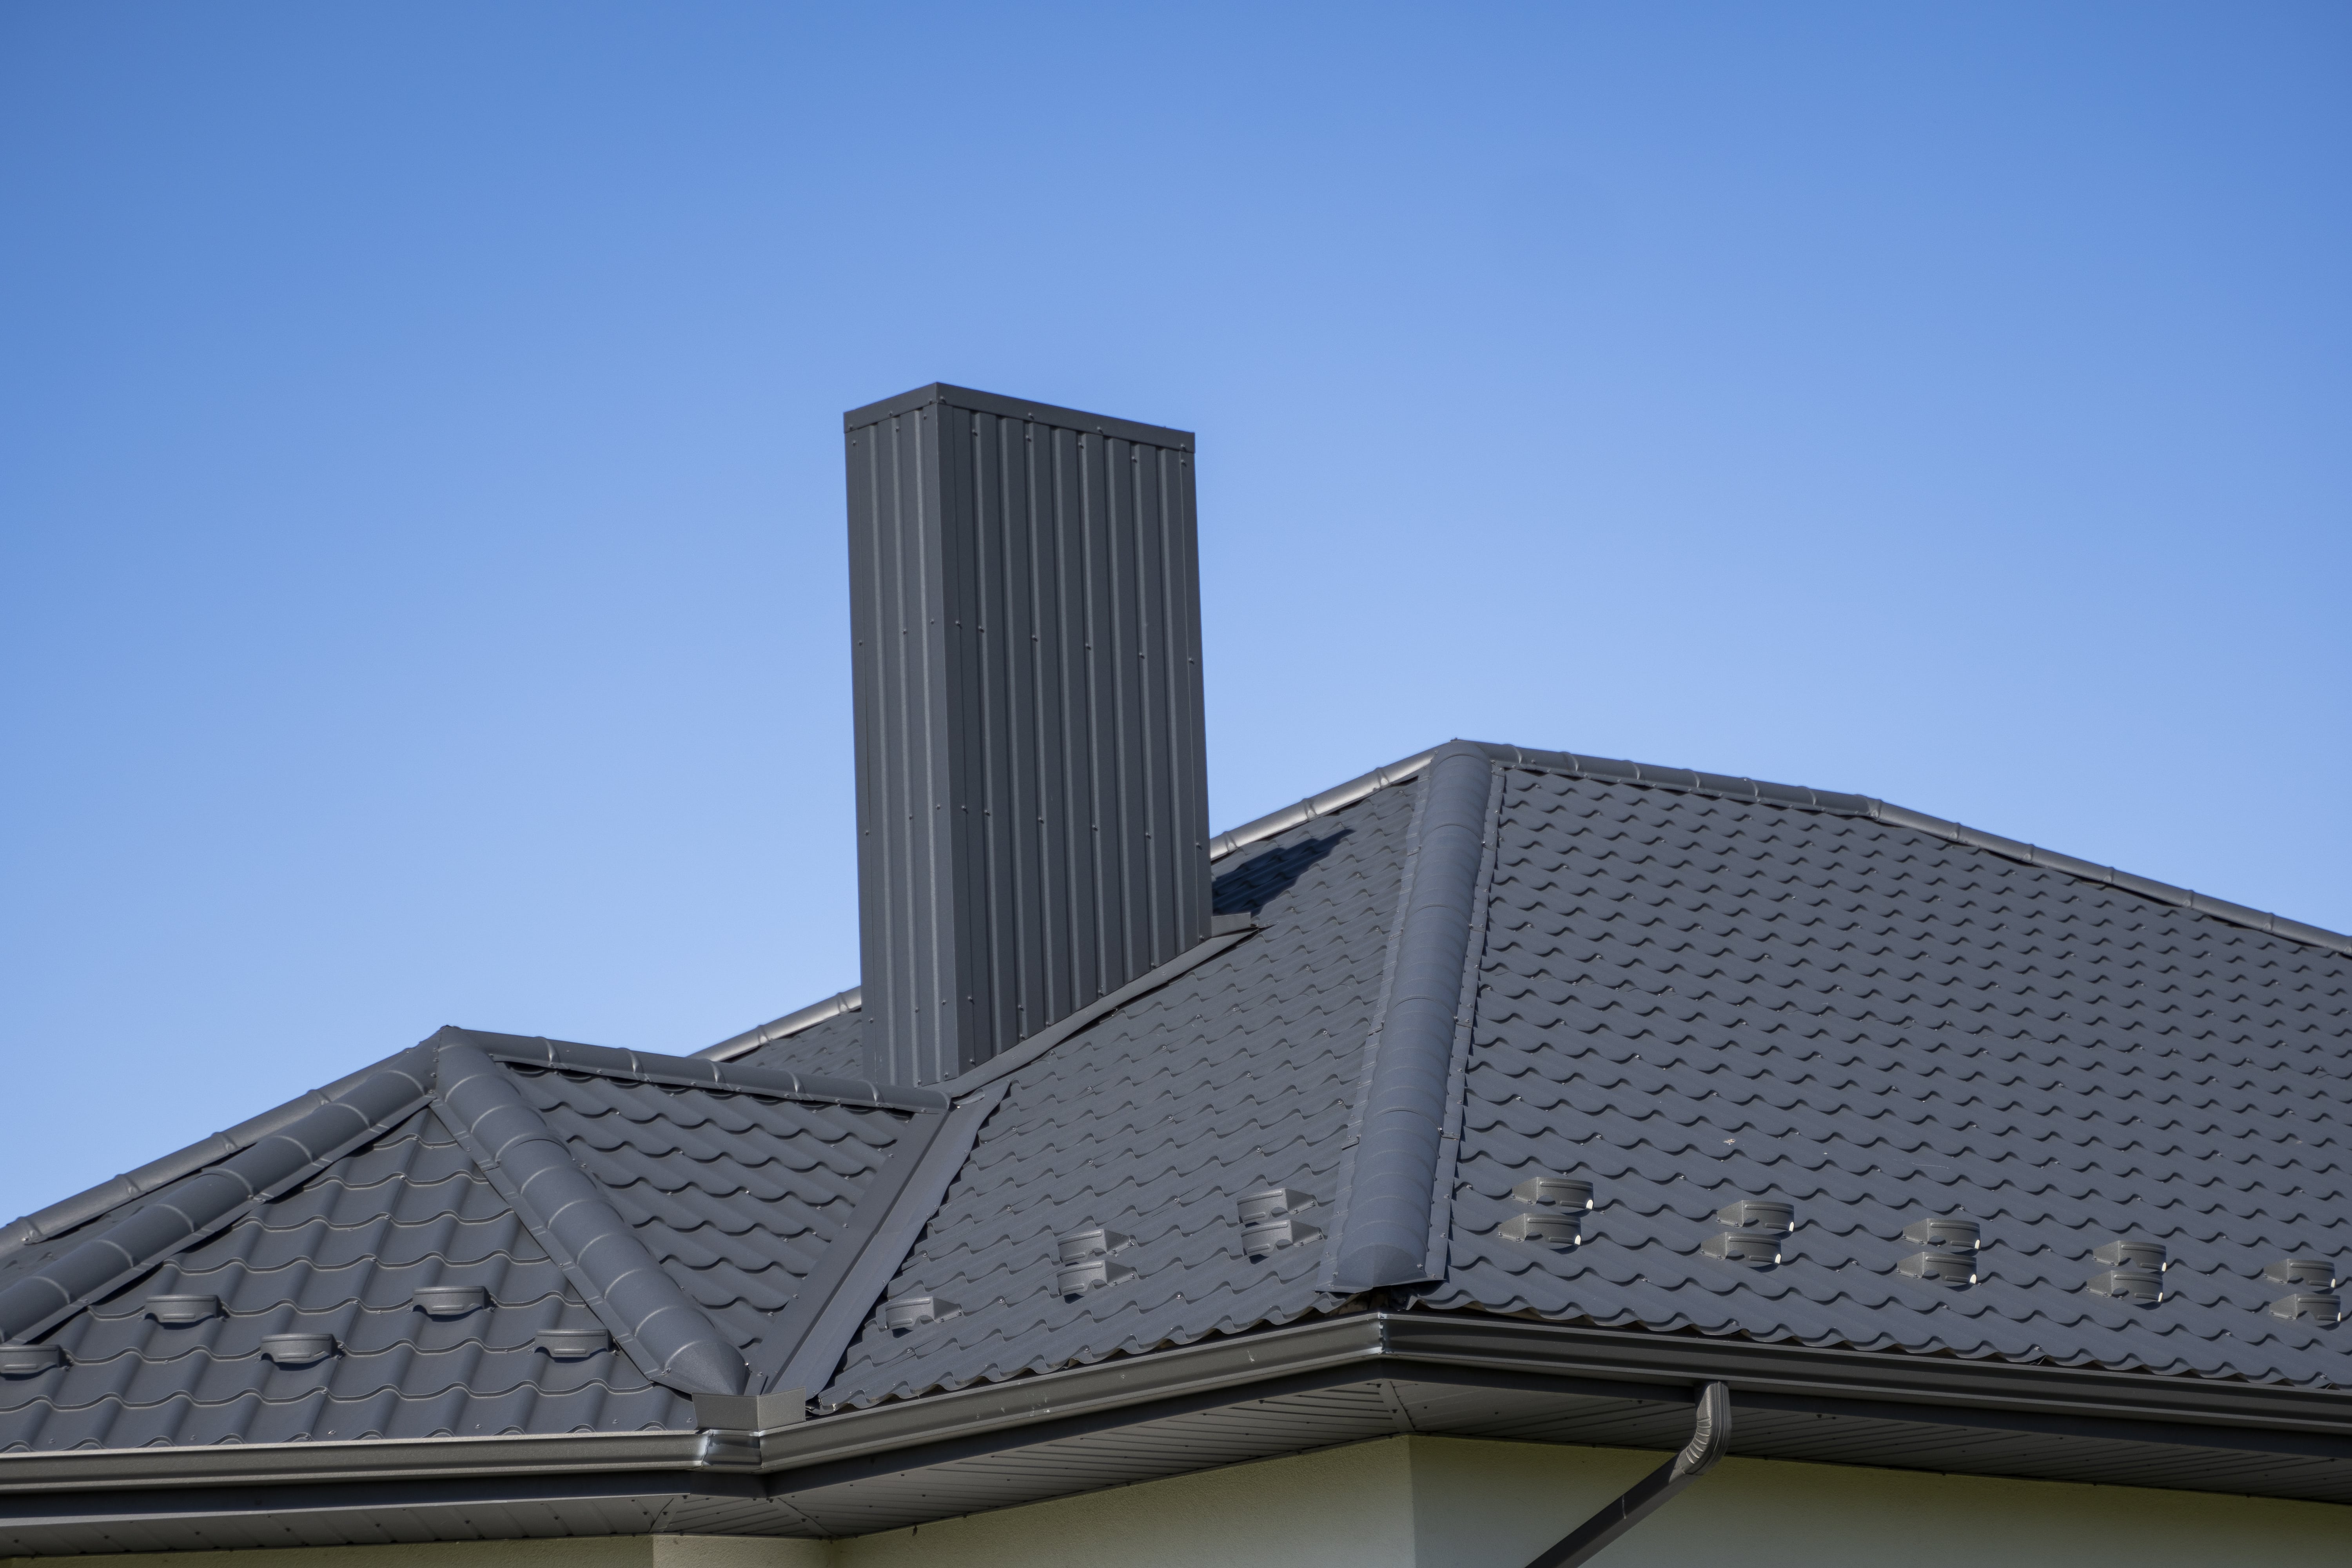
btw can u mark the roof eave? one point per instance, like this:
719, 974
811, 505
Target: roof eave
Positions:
1447, 1347
1414, 1344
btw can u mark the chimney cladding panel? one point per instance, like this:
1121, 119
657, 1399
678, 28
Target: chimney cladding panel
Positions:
1032, 792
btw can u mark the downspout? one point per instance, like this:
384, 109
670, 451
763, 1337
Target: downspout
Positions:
1710, 1436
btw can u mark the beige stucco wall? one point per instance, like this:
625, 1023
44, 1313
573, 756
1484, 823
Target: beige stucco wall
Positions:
1446, 1503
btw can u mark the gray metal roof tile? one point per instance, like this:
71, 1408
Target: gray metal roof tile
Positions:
1900, 1024
1691, 991
1237, 1076
737, 1194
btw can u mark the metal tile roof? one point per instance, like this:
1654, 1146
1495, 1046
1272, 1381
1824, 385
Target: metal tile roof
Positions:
1694, 1000
1239, 1076
732, 1188
1686, 990
736, 1197
343, 1255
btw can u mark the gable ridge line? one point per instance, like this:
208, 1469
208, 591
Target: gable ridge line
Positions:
1684, 781
660, 1328
1339, 797
271, 1164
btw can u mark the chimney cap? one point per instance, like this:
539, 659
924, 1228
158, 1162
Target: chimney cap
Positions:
939, 392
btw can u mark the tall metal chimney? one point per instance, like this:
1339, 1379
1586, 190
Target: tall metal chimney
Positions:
1033, 826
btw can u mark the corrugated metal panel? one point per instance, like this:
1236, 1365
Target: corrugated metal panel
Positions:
1033, 821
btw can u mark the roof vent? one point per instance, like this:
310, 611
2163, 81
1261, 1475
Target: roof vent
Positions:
1950, 1234
1766, 1215
2135, 1272
1757, 1226
1555, 1192
1940, 1267
298, 1350
2139, 1255
2314, 1271
1080, 1278
449, 1300
2318, 1306
906, 1313
1273, 1203
1085, 1260
1262, 1239
1543, 1229
29, 1360
572, 1344
1755, 1249
182, 1308
1093, 1242
2140, 1287
1269, 1223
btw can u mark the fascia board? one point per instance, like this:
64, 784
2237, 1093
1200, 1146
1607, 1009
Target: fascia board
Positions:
370, 1460
1922, 1384
1379, 1344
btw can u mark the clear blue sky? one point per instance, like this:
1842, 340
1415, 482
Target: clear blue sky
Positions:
423, 597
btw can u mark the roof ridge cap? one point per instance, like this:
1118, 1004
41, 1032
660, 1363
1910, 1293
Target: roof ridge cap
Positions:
1385, 1233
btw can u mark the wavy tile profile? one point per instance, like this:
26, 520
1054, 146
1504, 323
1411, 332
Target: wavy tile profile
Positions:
1524, 1034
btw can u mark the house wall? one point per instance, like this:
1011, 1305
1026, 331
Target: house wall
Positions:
1446, 1502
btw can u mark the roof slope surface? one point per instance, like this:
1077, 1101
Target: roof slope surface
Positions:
1693, 1001
1685, 991
732, 1189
